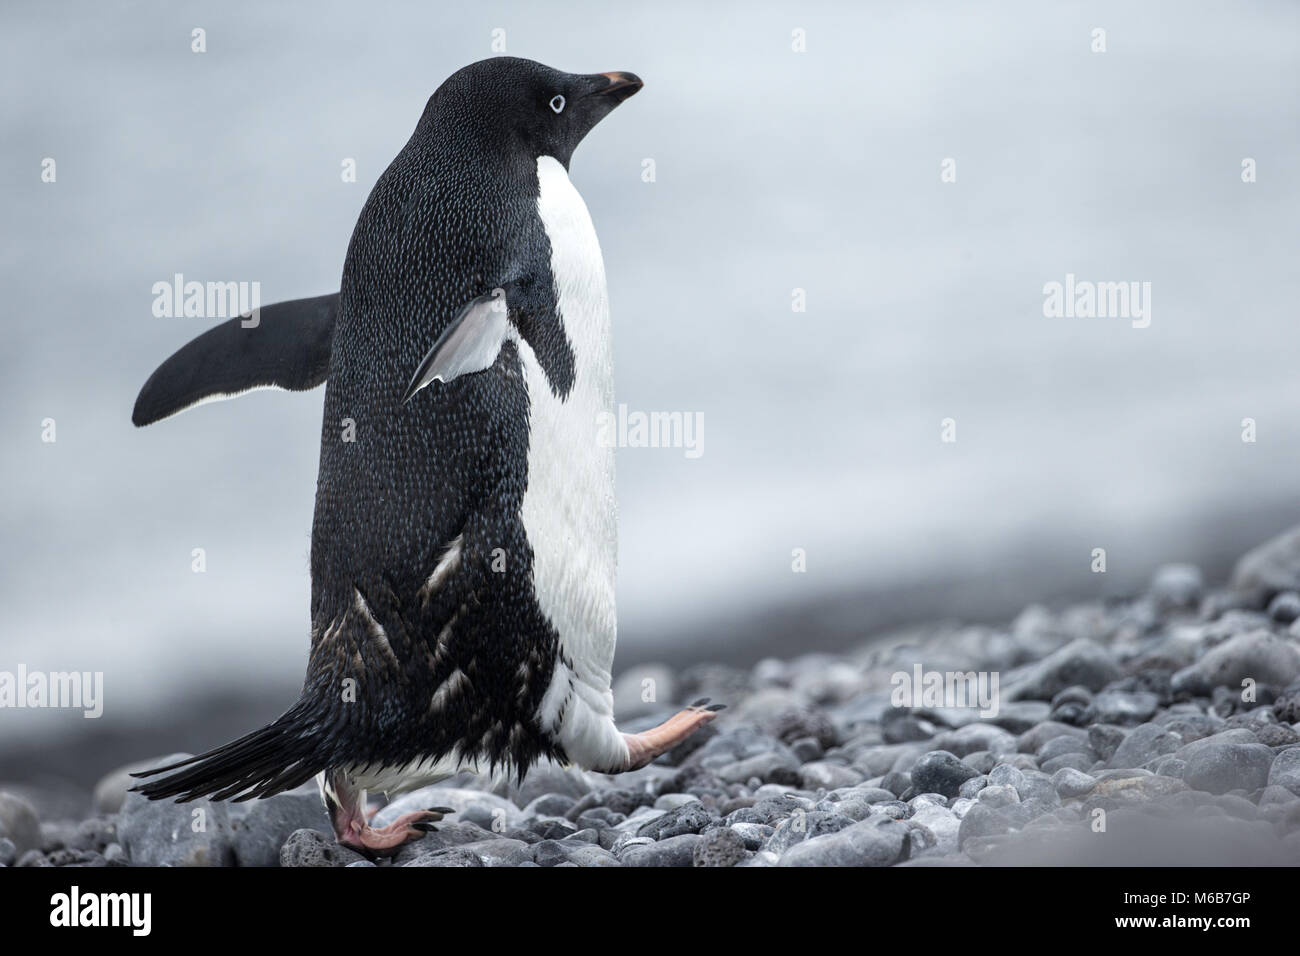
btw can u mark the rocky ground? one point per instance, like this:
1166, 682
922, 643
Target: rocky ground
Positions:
1161, 729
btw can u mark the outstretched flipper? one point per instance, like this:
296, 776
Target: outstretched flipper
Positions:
288, 348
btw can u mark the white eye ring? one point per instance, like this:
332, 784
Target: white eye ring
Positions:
557, 103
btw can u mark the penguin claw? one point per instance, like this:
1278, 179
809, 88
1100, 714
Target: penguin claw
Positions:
716, 707
425, 827
701, 702
442, 810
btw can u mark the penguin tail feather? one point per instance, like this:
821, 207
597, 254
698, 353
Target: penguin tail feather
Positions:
278, 757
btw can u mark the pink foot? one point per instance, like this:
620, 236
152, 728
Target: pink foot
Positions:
648, 744
383, 841
346, 804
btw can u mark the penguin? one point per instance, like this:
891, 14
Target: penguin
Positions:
464, 540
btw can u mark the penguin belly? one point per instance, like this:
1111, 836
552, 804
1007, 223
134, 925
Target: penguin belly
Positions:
569, 512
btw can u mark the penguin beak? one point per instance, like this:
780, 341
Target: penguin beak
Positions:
596, 95
620, 86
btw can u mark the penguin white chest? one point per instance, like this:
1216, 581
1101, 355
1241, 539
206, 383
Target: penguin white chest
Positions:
569, 511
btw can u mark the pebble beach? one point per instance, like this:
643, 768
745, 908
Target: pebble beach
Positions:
1163, 728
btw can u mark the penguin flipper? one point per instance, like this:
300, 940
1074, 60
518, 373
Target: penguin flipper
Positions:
470, 343
288, 348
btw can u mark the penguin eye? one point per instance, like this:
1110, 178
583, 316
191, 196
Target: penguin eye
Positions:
557, 103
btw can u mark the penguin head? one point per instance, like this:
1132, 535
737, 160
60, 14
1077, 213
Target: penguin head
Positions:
530, 106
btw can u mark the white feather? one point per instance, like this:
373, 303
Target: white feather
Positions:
221, 397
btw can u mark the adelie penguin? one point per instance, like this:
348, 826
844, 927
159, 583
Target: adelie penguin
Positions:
464, 542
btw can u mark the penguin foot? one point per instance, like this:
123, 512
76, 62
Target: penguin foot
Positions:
645, 746
350, 817
385, 841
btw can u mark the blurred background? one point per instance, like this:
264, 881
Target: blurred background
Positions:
775, 170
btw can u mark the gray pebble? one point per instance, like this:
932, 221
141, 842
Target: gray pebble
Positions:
1070, 782
1285, 770
998, 796
1081, 662
1285, 607
1005, 775
941, 772
1277, 795
261, 832
1073, 694
864, 844
450, 857
669, 801
719, 848
806, 749
592, 856
19, 823
165, 833
1271, 567
673, 851
981, 760
828, 776
754, 835
1145, 742
981, 821
943, 824
313, 848
1125, 708
1031, 740
549, 805
1104, 739
1259, 655
690, 818
1036, 785
767, 767
973, 738
896, 782
802, 826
